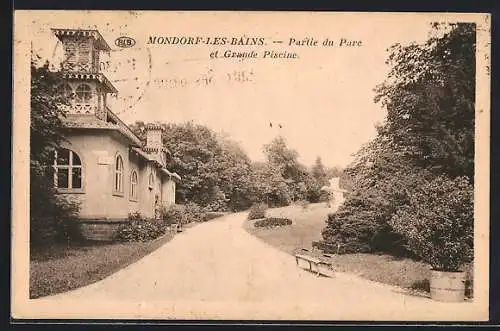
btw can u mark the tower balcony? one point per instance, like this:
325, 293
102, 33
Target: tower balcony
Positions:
80, 108
90, 76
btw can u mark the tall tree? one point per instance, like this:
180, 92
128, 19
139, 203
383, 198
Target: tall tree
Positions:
269, 186
428, 132
46, 114
285, 161
283, 158
49, 213
319, 172
430, 100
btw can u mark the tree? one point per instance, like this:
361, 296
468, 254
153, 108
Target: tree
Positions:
46, 125
430, 100
50, 214
235, 174
428, 132
283, 158
319, 172
269, 186
285, 161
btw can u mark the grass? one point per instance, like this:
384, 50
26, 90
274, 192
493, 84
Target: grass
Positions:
306, 227
307, 223
60, 268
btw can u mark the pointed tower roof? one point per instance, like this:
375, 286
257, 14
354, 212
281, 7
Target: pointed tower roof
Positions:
101, 44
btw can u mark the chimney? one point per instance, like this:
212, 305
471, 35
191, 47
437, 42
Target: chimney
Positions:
154, 141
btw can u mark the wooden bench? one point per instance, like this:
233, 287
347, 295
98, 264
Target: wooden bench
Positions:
314, 264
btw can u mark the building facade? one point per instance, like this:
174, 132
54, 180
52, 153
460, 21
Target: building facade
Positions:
103, 164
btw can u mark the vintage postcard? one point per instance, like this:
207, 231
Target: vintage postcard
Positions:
250, 165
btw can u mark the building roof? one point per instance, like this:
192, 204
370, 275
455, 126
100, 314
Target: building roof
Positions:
87, 121
81, 121
124, 127
144, 155
171, 174
100, 42
152, 158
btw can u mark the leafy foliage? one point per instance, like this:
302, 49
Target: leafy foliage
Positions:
51, 216
272, 222
257, 211
182, 214
438, 222
301, 183
269, 186
428, 133
320, 173
141, 229
430, 100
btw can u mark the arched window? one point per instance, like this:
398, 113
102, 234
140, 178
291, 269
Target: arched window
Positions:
67, 169
65, 91
83, 93
118, 174
151, 181
133, 184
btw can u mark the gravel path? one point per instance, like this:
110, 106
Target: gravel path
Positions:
218, 270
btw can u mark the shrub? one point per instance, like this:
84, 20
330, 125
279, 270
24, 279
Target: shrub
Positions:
258, 210
215, 214
141, 229
218, 201
360, 226
53, 218
194, 213
438, 223
272, 222
136, 216
172, 214
182, 214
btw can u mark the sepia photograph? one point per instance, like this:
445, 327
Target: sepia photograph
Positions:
327, 166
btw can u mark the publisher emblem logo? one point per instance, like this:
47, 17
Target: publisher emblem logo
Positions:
124, 42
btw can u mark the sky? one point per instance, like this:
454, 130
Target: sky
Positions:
323, 100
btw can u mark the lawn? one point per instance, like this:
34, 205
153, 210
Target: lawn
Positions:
306, 227
60, 268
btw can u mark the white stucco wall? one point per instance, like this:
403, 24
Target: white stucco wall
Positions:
98, 151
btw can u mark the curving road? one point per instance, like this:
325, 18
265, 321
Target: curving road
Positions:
218, 270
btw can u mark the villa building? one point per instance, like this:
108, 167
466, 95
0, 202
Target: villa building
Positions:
103, 164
